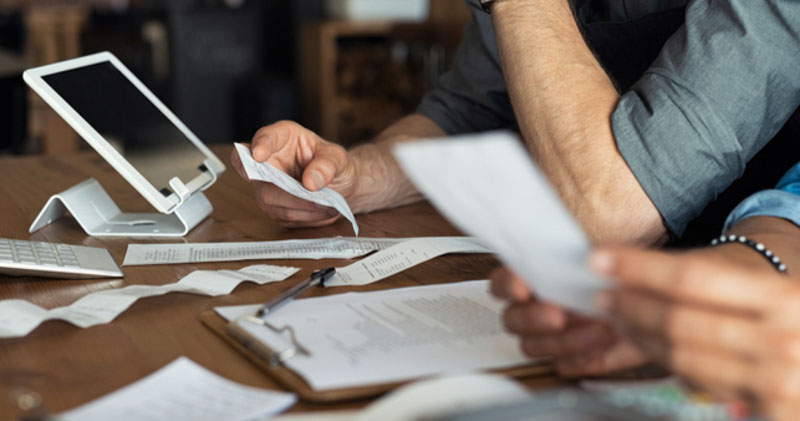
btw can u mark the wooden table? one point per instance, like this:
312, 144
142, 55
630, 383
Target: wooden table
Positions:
69, 366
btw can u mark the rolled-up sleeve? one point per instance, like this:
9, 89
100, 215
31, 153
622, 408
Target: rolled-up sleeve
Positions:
722, 87
781, 202
472, 95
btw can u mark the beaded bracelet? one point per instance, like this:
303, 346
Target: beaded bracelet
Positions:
759, 247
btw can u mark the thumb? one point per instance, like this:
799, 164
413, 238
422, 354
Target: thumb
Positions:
324, 167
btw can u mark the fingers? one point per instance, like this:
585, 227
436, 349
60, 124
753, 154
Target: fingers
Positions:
621, 355
640, 268
724, 373
302, 154
698, 279
308, 224
782, 410
508, 286
534, 318
777, 380
298, 218
291, 211
590, 348
679, 324
305, 156
547, 330
573, 341
328, 162
772, 382
730, 374
270, 195
285, 145
729, 329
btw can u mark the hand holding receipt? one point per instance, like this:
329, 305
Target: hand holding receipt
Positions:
262, 171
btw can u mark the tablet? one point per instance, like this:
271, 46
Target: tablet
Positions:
128, 126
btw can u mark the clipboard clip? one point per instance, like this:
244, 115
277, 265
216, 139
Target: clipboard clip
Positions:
275, 358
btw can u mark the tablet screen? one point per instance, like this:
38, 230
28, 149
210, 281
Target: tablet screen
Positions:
132, 124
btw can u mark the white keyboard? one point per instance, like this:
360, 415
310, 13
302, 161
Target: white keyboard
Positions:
34, 258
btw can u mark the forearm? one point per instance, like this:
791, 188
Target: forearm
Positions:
563, 101
380, 181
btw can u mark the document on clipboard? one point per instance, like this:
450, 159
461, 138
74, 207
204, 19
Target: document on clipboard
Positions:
365, 339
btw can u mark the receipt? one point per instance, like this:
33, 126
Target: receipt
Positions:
20, 317
402, 256
321, 248
262, 171
489, 187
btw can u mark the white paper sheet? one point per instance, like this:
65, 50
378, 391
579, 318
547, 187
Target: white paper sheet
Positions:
262, 171
183, 391
20, 317
489, 187
430, 398
444, 395
402, 256
358, 339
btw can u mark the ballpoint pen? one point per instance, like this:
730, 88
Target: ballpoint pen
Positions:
318, 277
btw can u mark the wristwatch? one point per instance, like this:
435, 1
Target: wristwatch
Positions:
487, 5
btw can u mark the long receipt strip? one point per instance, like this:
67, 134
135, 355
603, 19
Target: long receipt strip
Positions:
488, 186
402, 256
359, 339
20, 317
262, 171
322, 248
183, 391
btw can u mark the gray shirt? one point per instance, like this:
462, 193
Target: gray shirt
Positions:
726, 80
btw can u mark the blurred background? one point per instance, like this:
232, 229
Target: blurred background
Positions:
344, 68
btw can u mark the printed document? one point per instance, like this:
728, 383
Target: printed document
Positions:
359, 339
262, 171
182, 391
488, 186
20, 317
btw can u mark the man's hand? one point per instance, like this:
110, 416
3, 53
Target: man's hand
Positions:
579, 346
305, 156
729, 327
367, 176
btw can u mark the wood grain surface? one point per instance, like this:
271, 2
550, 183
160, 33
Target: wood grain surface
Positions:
69, 366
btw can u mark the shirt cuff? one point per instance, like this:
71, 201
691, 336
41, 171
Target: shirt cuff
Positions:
777, 203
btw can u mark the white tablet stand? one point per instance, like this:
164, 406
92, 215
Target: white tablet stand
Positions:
99, 216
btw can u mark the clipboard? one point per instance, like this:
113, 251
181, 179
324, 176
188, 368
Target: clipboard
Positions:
271, 363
